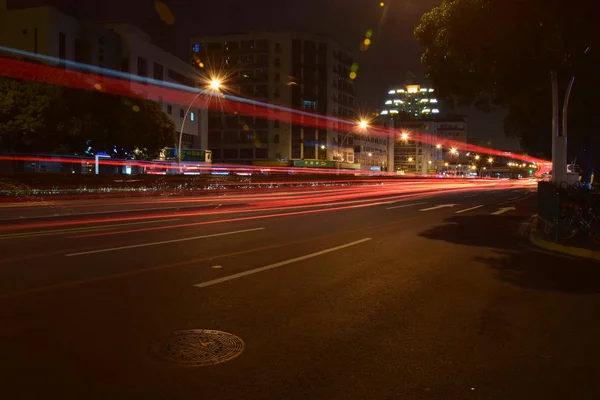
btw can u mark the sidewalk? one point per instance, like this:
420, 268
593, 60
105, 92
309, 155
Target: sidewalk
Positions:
538, 239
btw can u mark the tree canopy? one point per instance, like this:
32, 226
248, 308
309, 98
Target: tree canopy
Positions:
48, 119
499, 53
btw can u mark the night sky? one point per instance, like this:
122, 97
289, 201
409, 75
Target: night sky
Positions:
393, 52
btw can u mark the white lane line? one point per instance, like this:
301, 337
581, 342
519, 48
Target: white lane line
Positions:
21, 218
279, 264
469, 209
406, 205
516, 199
438, 207
161, 242
471, 196
88, 228
503, 210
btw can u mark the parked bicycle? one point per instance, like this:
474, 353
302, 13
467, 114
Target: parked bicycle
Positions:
578, 214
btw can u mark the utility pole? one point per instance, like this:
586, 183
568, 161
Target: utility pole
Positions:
559, 139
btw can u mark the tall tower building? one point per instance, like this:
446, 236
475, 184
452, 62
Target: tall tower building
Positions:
411, 101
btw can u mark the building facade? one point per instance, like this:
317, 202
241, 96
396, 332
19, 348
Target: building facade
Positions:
412, 101
416, 156
308, 73
452, 128
115, 46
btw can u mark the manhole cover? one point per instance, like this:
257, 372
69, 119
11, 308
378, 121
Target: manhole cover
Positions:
199, 347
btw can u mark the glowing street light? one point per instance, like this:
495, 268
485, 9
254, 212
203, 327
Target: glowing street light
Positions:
477, 157
453, 150
410, 159
215, 84
404, 136
322, 147
438, 146
370, 154
490, 160
446, 164
363, 124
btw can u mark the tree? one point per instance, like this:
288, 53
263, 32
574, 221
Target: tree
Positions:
127, 128
27, 115
499, 53
47, 119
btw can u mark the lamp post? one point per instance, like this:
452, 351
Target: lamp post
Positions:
214, 85
362, 125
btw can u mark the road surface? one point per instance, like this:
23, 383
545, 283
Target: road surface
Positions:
386, 294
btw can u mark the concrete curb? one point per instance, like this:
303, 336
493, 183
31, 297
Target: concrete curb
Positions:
536, 240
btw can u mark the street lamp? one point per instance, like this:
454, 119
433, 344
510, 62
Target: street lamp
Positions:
438, 146
363, 124
404, 136
214, 85
477, 157
490, 160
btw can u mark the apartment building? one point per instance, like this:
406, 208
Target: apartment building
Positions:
305, 72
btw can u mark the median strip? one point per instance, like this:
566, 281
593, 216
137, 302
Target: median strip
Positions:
161, 242
279, 264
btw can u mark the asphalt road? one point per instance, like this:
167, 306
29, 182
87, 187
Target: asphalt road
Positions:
424, 294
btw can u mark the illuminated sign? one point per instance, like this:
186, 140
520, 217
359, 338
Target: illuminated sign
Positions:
314, 163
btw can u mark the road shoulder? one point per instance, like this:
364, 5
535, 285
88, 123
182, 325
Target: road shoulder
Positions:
537, 240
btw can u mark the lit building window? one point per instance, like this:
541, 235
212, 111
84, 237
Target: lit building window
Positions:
392, 92
192, 116
309, 105
388, 102
384, 112
435, 111
433, 100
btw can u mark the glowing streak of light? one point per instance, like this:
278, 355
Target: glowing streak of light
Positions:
46, 74
398, 191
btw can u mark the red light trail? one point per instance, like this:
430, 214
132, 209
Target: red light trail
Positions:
279, 202
57, 76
